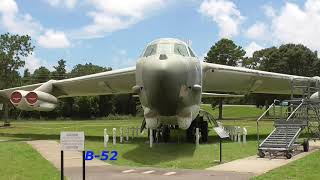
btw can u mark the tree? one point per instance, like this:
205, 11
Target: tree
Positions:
64, 108
26, 79
295, 59
86, 69
60, 70
91, 105
40, 75
225, 52
12, 49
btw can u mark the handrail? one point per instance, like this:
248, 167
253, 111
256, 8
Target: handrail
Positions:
295, 110
265, 112
294, 137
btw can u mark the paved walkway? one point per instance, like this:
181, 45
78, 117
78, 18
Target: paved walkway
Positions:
129, 173
95, 169
256, 165
50, 150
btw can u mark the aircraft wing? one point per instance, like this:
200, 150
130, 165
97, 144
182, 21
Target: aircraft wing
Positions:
221, 78
218, 95
111, 82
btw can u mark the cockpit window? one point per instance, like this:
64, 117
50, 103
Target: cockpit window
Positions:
191, 52
151, 50
180, 49
164, 48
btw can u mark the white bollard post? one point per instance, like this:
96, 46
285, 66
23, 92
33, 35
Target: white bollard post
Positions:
127, 134
150, 137
231, 135
235, 133
105, 137
244, 135
157, 137
197, 136
239, 135
114, 133
132, 129
121, 135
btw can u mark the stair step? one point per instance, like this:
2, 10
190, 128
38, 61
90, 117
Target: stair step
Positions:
278, 139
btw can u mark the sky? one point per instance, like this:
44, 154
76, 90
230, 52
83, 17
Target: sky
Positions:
113, 33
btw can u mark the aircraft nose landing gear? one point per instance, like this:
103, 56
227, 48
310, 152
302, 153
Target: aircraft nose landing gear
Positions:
203, 127
161, 134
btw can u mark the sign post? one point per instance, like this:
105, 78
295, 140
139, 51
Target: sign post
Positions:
222, 135
72, 141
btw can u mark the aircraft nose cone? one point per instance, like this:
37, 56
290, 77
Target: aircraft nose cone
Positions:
162, 82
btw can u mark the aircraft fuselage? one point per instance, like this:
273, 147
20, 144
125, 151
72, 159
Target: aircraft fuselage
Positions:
169, 88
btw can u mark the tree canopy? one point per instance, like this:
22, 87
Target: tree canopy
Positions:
12, 49
294, 59
225, 52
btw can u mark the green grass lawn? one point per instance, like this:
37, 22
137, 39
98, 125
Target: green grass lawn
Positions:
19, 160
306, 168
235, 112
175, 154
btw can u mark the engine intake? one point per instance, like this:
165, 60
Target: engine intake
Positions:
33, 101
16, 97
32, 98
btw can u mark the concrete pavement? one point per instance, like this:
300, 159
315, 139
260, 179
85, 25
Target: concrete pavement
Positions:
50, 150
125, 173
256, 165
95, 169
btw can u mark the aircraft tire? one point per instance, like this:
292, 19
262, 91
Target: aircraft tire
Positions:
191, 132
166, 133
204, 131
305, 145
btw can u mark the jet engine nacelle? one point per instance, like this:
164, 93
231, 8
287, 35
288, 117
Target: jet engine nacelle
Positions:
33, 100
315, 96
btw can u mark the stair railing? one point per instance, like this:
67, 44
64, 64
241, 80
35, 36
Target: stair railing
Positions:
295, 110
289, 117
262, 116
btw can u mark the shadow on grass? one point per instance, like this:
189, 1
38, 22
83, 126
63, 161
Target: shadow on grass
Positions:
161, 152
29, 136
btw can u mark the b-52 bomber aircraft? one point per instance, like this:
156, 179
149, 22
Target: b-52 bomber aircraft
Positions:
170, 82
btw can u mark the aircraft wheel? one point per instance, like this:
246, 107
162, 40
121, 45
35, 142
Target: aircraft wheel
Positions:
191, 132
261, 154
288, 155
204, 131
166, 133
305, 145
154, 132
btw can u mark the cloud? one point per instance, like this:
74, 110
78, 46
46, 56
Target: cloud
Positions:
17, 23
8, 7
290, 24
63, 3
225, 13
121, 59
258, 31
33, 62
53, 39
269, 11
113, 15
251, 48
298, 25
